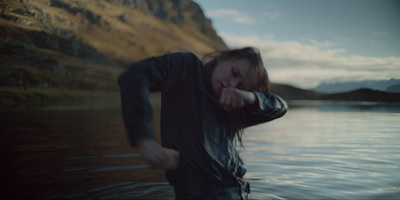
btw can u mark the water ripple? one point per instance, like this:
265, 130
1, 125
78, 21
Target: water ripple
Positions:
99, 169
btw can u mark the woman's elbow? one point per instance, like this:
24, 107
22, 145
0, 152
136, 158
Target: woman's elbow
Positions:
122, 77
282, 108
128, 75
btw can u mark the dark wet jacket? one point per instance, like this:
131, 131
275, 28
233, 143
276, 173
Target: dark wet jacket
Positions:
192, 120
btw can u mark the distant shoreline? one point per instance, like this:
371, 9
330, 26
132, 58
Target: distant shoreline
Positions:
31, 97
17, 96
11, 96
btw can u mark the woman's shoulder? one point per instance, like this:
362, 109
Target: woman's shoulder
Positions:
186, 61
185, 55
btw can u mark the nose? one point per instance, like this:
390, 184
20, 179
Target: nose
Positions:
233, 82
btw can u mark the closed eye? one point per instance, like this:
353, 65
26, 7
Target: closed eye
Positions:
236, 72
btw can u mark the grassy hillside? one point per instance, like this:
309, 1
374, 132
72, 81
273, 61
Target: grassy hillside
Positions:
82, 45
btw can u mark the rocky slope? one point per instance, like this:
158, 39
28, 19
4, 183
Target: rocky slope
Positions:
180, 12
84, 44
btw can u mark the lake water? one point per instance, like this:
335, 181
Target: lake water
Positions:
318, 150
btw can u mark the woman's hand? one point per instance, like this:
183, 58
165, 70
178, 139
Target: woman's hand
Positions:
232, 98
158, 156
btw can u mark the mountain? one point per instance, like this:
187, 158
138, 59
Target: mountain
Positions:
381, 85
73, 49
364, 95
84, 45
180, 12
393, 88
288, 92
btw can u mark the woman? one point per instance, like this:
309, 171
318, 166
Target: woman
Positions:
205, 107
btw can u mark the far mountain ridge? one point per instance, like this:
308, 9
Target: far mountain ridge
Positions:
289, 92
391, 85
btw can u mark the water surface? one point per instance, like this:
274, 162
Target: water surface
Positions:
326, 150
318, 150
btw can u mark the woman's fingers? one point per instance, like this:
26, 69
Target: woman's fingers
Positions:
172, 159
239, 101
231, 98
167, 159
158, 156
226, 98
222, 96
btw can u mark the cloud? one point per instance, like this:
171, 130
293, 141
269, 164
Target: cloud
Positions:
231, 14
321, 44
379, 33
244, 20
272, 15
310, 63
222, 13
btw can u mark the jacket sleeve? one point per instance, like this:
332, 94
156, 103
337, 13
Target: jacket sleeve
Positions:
267, 108
155, 74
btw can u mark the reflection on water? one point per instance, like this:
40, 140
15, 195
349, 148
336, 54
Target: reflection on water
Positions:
125, 190
326, 150
319, 150
73, 152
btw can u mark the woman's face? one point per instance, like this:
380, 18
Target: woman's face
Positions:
235, 73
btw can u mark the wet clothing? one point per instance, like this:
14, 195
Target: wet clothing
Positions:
193, 123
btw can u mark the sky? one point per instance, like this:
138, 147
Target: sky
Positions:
307, 42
